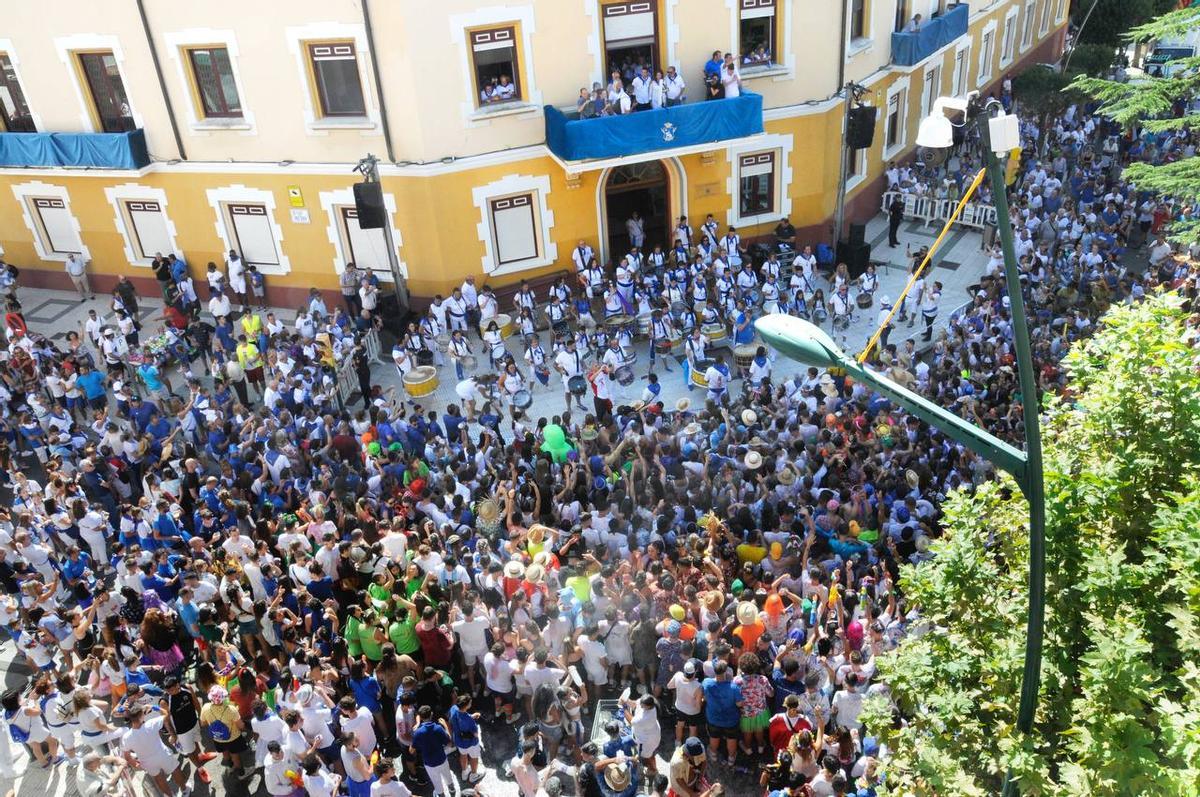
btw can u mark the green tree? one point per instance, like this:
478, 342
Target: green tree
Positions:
1119, 712
1152, 103
1045, 94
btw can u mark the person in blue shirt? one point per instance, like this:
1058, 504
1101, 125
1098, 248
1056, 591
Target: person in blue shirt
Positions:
93, 385
464, 729
429, 742
712, 68
743, 328
721, 711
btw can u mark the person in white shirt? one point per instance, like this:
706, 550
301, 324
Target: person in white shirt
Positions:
386, 784
143, 744
641, 89
731, 81
582, 256
76, 268
674, 87
505, 90
275, 768
470, 625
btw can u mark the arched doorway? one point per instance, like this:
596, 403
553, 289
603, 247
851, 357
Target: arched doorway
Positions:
642, 187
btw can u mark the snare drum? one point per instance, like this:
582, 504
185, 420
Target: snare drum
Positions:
421, 381
644, 325
664, 345
522, 399
744, 355
716, 333
443, 342
561, 327
504, 322
624, 375
699, 367
424, 357
615, 322
577, 385
864, 301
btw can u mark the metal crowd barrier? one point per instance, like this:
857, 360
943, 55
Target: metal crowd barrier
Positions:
928, 210
347, 379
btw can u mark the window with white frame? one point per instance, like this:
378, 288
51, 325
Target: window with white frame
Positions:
497, 70
856, 167
147, 227
1061, 14
962, 69
15, 116
252, 233
56, 227
859, 21
987, 45
1027, 24
894, 127
1045, 26
758, 27
514, 228
366, 249
336, 79
756, 184
1008, 39
631, 34
932, 89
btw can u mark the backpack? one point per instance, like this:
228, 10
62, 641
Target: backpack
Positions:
219, 731
18, 734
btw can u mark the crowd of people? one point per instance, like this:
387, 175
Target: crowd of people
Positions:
338, 600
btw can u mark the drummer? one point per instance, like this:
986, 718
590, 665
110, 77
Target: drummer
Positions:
760, 368
431, 328
868, 282
709, 315
613, 356
747, 282
569, 363
770, 291
695, 349
717, 377
725, 296
511, 383
556, 312
460, 350
614, 303
841, 306
538, 361
743, 325
582, 311
494, 341
662, 333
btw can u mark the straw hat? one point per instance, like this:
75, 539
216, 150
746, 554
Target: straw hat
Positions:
757, 442
787, 477
683, 404
749, 417
617, 775
537, 533
542, 558
487, 510
753, 460
747, 613
713, 600
691, 429
912, 477
514, 569
535, 573
828, 389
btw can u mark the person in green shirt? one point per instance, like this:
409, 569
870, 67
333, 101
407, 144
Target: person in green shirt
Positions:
380, 589
403, 630
371, 636
352, 632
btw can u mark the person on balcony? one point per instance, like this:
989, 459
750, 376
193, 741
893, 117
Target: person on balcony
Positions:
618, 101
914, 24
641, 90
674, 87
658, 91
731, 81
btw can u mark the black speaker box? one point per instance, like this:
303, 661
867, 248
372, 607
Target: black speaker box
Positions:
368, 201
858, 234
860, 130
856, 257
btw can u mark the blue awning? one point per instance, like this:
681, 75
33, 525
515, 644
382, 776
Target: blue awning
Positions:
573, 139
934, 34
75, 150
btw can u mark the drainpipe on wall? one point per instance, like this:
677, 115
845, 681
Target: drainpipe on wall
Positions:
383, 117
162, 83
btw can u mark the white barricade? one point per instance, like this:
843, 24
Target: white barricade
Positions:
928, 210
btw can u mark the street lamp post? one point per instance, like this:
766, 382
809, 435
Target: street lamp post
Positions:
809, 344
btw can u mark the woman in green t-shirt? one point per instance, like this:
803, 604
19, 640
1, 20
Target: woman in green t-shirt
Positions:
403, 630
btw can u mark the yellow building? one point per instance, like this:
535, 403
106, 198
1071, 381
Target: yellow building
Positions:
253, 116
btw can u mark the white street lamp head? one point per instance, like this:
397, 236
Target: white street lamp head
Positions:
935, 132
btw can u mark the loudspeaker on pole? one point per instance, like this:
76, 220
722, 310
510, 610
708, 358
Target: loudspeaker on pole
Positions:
368, 201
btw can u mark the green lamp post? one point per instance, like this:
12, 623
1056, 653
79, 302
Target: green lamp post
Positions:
807, 343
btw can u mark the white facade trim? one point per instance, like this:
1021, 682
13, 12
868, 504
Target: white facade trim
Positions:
963, 80
987, 55
26, 191
677, 181
672, 33
331, 201
1027, 25
116, 195
6, 47
898, 87
177, 42
495, 15
781, 143
515, 184
591, 8
1008, 43
66, 46
297, 36
218, 197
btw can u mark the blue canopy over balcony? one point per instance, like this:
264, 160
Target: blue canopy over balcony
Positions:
75, 150
912, 48
574, 139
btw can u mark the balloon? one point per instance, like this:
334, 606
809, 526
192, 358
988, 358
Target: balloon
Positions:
556, 444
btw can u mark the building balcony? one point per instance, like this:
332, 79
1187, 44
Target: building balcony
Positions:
909, 49
696, 123
75, 150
